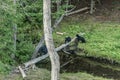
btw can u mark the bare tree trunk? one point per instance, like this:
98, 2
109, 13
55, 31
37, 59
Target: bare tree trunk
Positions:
67, 3
14, 40
14, 25
58, 2
14, 32
92, 5
49, 40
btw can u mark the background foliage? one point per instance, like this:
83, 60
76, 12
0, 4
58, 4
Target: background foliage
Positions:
27, 15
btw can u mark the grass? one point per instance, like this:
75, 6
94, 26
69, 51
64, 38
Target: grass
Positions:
42, 74
80, 76
38, 74
1, 77
103, 39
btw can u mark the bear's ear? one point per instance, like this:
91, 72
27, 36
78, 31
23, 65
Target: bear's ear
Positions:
77, 35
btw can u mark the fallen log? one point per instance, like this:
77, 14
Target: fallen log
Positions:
61, 18
67, 13
66, 63
22, 72
58, 21
33, 61
40, 44
77, 11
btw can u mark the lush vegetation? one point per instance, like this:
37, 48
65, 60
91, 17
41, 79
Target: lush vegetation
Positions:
27, 17
80, 76
22, 15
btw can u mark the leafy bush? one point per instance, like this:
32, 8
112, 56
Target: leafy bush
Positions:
4, 68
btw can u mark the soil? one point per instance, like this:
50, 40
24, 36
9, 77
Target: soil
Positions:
92, 65
107, 11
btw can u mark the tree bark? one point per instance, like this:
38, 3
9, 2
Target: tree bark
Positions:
40, 44
92, 6
14, 32
49, 40
58, 2
22, 72
77, 11
14, 26
67, 4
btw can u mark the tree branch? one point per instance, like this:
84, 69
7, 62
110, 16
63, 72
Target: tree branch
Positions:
40, 44
66, 63
22, 72
77, 11
67, 13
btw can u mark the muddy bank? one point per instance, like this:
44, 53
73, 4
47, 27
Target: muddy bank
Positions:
95, 66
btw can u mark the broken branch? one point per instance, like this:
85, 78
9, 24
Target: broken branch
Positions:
77, 11
40, 44
66, 63
22, 72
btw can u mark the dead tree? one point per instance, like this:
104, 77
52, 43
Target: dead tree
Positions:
58, 2
54, 57
14, 32
92, 5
